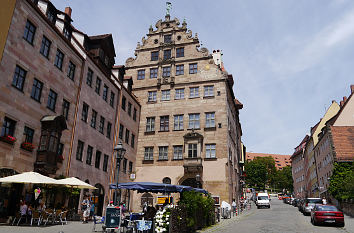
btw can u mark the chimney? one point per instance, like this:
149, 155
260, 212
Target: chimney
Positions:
341, 103
345, 99
68, 11
352, 89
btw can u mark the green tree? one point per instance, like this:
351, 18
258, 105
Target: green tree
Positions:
342, 181
284, 179
256, 174
269, 162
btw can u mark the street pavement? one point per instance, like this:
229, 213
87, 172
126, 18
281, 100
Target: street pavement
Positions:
280, 218
71, 227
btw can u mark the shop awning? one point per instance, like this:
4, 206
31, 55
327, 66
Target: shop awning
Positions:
75, 182
28, 178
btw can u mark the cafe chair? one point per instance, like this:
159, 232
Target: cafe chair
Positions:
18, 217
62, 216
97, 220
143, 225
36, 216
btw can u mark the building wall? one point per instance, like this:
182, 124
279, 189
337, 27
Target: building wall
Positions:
297, 164
221, 183
346, 118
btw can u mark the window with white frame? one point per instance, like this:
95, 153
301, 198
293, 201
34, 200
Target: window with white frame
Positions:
165, 95
150, 124
210, 119
194, 121
153, 72
163, 152
210, 151
192, 150
179, 94
141, 74
149, 153
166, 71
208, 91
178, 122
179, 70
193, 92
152, 96
177, 152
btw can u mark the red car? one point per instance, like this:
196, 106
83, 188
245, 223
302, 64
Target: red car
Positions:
321, 214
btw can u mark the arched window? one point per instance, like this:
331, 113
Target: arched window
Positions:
148, 198
166, 180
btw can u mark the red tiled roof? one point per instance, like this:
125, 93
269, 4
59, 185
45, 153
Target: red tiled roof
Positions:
280, 160
343, 142
127, 77
238, 104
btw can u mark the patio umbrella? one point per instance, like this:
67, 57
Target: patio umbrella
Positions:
75, 182
29, 178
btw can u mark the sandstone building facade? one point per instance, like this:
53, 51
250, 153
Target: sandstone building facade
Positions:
60, 103
189, 131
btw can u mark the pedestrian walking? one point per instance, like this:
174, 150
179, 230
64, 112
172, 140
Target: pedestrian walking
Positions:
85, 207
234, 206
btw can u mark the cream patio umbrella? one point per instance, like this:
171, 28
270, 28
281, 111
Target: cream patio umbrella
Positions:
29, 178
75, 182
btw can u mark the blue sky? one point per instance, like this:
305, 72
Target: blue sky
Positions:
289, 58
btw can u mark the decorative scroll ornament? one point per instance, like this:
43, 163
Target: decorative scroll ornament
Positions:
189, 34
129, 61
143, 40
158, 25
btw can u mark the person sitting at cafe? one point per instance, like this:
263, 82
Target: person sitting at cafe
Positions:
23, 209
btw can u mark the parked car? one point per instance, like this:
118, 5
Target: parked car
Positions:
295, 202
328, 214
286, 199
300, 205
309, 203
262, 200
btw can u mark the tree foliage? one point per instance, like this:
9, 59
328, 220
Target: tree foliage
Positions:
342, 181
284, 179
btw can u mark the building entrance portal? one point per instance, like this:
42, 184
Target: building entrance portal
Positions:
192, 182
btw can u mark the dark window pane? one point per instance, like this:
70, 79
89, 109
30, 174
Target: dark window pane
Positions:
59, 57
101, 126
167, 54
93, 119
52, 99
121, 130
66, 107
141, 74
19, 78
98, 86
89, 77
28, 132
111, 101
105, 92
89, 155
98, 159
30, 30
109, 129
84, 114
71, 70
36, 90
105, 162
45, 47
79, 150
8, 127
124, 100
180, 52
155, 56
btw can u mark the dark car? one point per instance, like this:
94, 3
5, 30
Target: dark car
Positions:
327, 214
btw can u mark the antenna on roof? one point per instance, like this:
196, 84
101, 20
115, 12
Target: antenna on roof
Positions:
168, 8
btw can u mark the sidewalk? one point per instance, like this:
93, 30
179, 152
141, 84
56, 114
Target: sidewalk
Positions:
224, 222
77, 227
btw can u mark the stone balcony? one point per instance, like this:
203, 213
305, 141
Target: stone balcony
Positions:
193, 164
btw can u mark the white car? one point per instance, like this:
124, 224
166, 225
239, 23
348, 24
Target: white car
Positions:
262, 200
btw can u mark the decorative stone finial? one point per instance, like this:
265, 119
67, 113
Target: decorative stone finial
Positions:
151, 29
168, 8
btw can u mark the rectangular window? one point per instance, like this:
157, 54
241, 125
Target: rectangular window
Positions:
132, 142
98, 159
130, 167
210, 119
165, 95
163, 152
134, 114
105, 162
45, 47
180, 52
121, 130
149, 153
52, 100
19, 78
141, 74
125, 161
111, 100
179, 70
127, 134
30, 30
166, 71
179, 94
79, 150
164, 122
65, 109
155, 56
105, 92
124, 100
192, 150
84, 114
89, 77
109, 129
152, 96
71, 70
178, 122
210, 151
101, 126
36, 92
98, 85
8, 127
167, 38
129, 109
59, 58
193, 92
167, 54
67, 31
177, 152
193, 68
153, 72
194, 122
28, 132
150, 124
93, 119
89, 154
208, 91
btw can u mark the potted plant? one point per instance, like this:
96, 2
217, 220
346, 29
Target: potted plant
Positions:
27, 146
8, 139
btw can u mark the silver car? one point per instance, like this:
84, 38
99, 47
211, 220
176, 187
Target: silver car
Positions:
309, 203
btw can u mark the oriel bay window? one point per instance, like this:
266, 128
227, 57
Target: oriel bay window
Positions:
192, 150
164, 123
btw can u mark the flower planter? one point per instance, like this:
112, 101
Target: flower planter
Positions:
8, 139
27, 146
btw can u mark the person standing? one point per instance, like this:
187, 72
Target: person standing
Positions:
324, 201
234, 207
85, 207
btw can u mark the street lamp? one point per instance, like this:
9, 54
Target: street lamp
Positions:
119, 153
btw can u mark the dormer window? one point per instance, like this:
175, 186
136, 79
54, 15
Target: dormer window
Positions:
67, 31
51, 14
